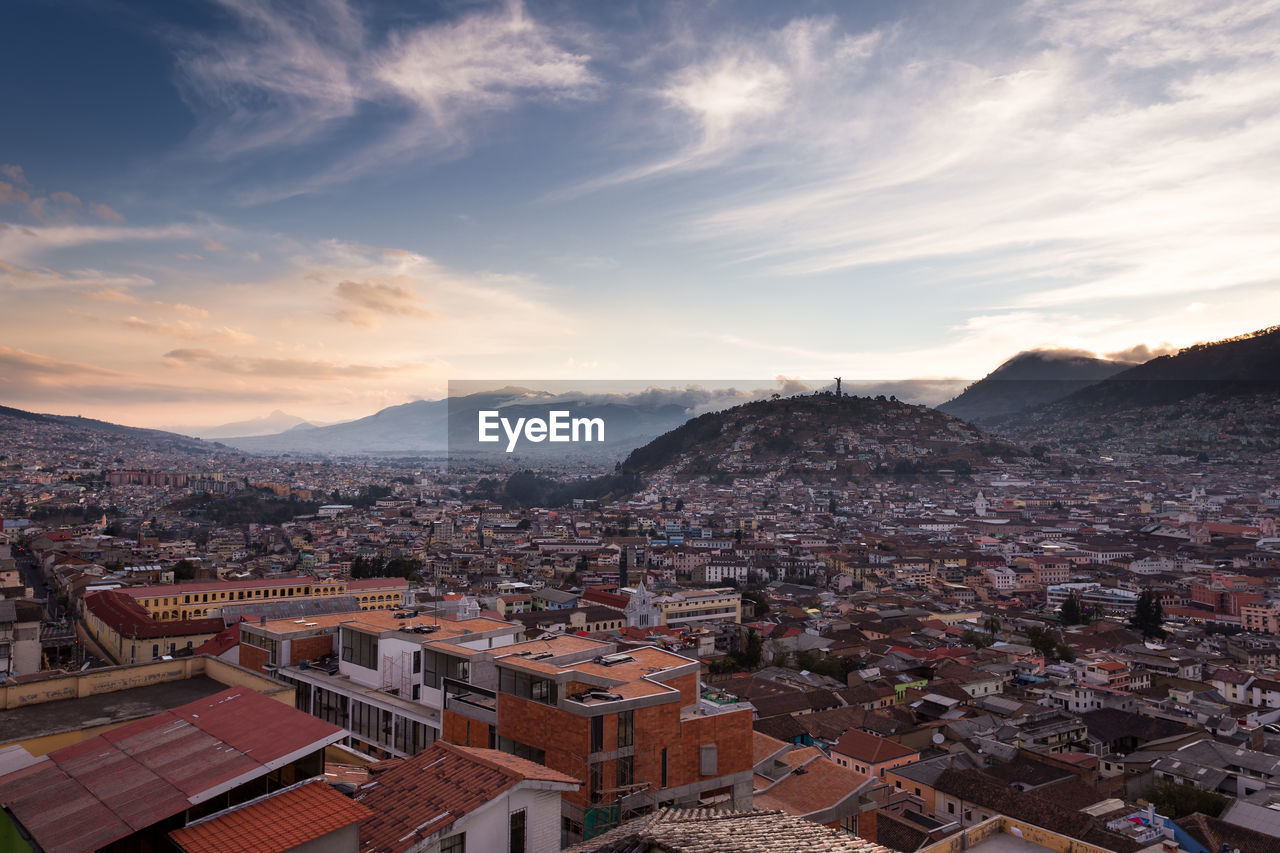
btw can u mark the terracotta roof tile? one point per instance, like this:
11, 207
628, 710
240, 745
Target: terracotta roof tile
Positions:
869, 748
711, 831
427, 793
274, 824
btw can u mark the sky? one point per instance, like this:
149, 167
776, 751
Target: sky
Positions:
210, 210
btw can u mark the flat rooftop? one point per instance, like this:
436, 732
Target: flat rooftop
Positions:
384, 620
1006, 844
65, 715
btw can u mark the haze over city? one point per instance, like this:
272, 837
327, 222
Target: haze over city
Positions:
209, 211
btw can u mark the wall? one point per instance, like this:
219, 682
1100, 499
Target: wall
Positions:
488, 827
1001, 825
113, 679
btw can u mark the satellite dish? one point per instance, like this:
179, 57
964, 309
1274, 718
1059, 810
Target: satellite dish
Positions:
938, 738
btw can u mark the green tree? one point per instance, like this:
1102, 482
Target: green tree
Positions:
1071, 611
760, 600
1065, 653
977, 639
1042, 640
1148, 615
184, 570
1178, 799
752, 650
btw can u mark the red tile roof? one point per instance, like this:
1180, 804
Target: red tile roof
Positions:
608, 599
224, 641
430, 791
273, 824
870, 749
103, 789
128, 618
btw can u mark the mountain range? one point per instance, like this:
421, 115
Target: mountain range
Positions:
1029, 379
1037, 397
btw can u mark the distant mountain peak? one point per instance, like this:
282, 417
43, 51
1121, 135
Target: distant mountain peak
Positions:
1031, 378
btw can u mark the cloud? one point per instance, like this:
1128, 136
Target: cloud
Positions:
103, 212
20, 245
366, 300
742, 93
66, 199
212, 245
287, 76
109, 294
14, 173
1073, 154
91, 282
9, 194
183, 330
47, 369
1141, 352
284, 368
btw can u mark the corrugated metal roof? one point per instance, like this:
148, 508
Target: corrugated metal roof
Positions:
105, 788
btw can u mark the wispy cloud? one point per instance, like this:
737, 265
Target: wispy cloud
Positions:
184, 330
287, 76
365, 302
284, 368
1090, 151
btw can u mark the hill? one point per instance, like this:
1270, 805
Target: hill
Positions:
1216, 399
21, 429
820, 437
1029, 379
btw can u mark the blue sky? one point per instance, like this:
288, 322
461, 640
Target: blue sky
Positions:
211, 210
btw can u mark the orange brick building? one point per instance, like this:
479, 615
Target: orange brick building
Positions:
632, 726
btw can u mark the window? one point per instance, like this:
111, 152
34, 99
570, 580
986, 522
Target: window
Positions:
707, 759
360, 648
417, 662
454, 844
626, 728
155, 650
663, 781
595, 782
597, 734
516, 826
951, 808
520, 750
626, 771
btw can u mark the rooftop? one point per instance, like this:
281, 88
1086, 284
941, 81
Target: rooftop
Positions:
711, 831
66, 715
426, 794
85, 796
273, 824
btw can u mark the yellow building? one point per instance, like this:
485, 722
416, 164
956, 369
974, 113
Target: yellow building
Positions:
126, 633
168, 602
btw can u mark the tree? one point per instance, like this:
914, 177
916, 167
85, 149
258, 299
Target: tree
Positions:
1148, 615
184, 570
1042, 640
1071, 612
1178, 799
992, 625
975, 638
753, 650
1065, 653
679, 504
758, 598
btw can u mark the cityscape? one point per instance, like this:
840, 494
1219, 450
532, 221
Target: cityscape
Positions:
985, 558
